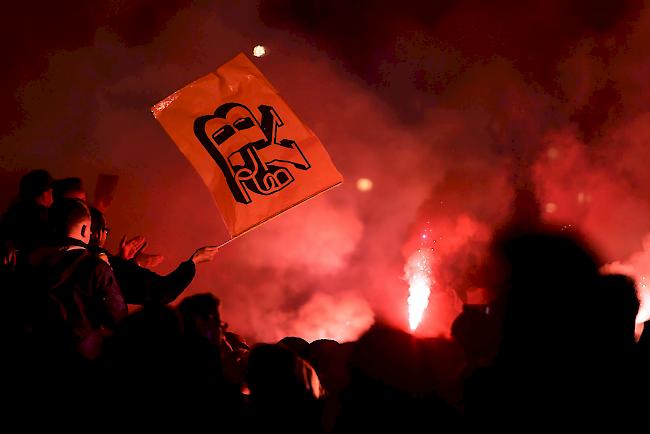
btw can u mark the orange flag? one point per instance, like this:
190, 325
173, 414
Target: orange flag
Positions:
255, 155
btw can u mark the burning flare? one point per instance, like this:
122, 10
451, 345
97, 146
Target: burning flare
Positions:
418, 274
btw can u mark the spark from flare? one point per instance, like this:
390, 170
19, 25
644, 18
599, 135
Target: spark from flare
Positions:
418, 273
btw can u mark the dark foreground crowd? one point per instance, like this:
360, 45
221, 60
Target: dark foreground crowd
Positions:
555, 348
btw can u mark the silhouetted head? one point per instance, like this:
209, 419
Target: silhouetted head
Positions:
69, 188
276, 372
98, 228
330, 359
36, 186
475, 331
322, 348
389, 356
548, 293
201, 316
298, 345
70, 218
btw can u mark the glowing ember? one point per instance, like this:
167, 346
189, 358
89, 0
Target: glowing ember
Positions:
259, 51
418, 274
364, 184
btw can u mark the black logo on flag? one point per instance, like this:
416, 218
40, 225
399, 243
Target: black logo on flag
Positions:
258, 161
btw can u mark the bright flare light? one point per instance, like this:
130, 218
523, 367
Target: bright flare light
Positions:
364, 184
638, 267
418, 274
259, 51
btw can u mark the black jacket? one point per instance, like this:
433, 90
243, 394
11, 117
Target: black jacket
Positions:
144, 287
73, 297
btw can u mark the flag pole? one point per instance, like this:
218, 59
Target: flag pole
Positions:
223, 244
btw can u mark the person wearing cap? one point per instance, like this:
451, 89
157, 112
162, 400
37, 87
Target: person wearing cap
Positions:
24, 225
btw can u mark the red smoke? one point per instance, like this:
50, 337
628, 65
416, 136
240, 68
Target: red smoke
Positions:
447, 108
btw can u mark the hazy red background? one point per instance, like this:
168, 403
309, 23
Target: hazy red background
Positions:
446, 106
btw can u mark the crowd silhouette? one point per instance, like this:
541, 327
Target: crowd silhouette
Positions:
554, 347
